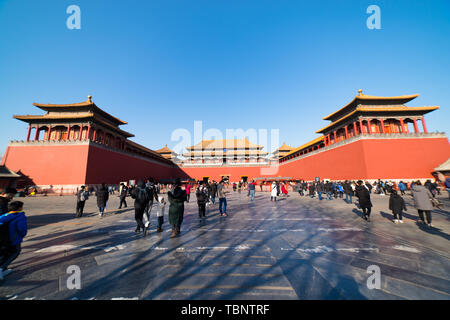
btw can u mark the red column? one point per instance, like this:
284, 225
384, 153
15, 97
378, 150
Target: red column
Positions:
402, 125
49, 133
89, 132
346, 132
335, 137
81, 131
361, 126
68, 132
95, 134
416, 128
36, 134
368, 126
329, 138
29, 132
355, 130
382, 126
424, 126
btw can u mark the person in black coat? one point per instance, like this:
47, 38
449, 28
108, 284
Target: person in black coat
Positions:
397, 205
102, 195
202, 195
141, 197
348, 191
363, 195
123, 195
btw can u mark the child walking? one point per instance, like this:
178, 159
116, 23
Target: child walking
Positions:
160, 213
397, 205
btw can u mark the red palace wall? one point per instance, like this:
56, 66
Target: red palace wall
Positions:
89, 163
49, 164
373, 159
215, 173
82, 164
111, 167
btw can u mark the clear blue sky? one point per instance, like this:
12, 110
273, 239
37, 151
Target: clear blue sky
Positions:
160, 65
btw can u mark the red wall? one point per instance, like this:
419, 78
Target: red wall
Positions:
49, 165
234, 173
112, 167
373, 159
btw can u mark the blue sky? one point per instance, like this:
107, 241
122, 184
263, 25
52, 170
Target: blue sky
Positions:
161, 65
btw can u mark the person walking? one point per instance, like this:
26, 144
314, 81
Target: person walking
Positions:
363, 195
153, 194
202, 195
102, 195
320, 188
348, 191
13, 228
141, 197
213, 192
422, 201
176, 197
221, 193
123, 195
273, 191
397, 205
329, 190
160, 213
252, 190
188, 191
82, 196
402, 187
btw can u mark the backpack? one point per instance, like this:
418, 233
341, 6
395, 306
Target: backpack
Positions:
142, 195
84, 196
5, 240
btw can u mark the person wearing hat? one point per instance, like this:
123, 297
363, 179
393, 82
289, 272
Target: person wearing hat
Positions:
177, 197
82, 196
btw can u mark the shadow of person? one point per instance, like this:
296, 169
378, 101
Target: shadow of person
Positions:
347, 289
433, 230
358, 213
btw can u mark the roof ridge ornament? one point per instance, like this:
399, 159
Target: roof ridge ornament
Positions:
90, 99
360, 92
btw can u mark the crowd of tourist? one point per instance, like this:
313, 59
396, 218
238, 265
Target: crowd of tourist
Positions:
13, 223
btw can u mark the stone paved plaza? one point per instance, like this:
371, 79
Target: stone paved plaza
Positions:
296, 248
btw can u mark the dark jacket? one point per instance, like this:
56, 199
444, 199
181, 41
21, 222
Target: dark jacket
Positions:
123, 192
328, 187
177, 197
80, 192
3, 205
320, 187
102, 196
396, 203
143, 200
202, 195
364, 197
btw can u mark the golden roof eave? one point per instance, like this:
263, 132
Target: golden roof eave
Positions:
363, 97
48, 107
378, 109
306, 145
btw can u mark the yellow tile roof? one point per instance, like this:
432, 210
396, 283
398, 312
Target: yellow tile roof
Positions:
362, 97
306, 145
225, 144
378, 109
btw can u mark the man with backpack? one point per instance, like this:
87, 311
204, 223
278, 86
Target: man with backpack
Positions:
13, 228
142, 197
82, 196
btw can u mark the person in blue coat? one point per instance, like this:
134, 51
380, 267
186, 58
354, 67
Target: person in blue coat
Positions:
17, 227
